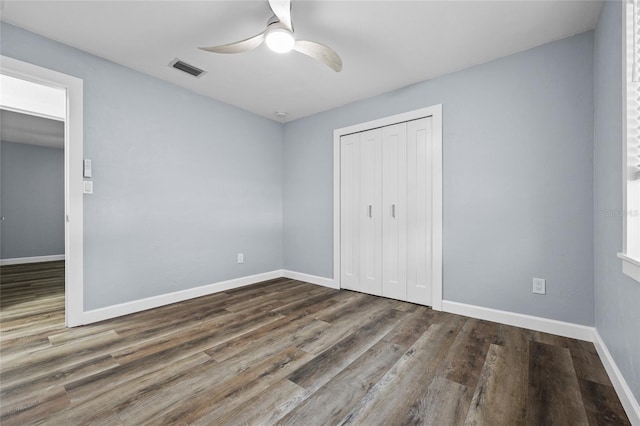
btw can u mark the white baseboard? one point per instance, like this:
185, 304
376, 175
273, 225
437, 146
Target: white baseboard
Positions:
630, 404
127, 308
561, 328
113, 311
313, 279
34, 259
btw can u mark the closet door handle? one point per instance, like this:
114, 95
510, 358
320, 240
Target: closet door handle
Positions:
370, 211
393, 211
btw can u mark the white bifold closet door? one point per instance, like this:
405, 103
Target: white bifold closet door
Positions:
394, 200
350, 212
419, 208
361, 201
385, 223
371, 206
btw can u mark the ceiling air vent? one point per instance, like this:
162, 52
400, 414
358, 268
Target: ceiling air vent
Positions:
184, 67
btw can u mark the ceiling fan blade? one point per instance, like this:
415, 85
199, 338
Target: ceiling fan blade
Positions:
237, 47
282, 10
320, 52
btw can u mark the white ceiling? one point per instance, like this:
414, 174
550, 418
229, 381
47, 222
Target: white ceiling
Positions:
23, 128
384, 45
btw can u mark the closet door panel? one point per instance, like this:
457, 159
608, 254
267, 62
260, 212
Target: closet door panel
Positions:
350, 214
419, 199
394, 211
371, 212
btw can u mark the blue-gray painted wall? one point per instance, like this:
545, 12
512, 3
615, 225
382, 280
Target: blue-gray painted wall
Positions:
617, 296
32, 194
181, 182
518, 171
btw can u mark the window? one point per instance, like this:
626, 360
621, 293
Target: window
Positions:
631, 195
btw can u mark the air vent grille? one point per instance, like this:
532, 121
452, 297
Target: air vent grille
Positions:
184, 67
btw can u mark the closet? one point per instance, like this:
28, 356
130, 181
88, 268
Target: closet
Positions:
386, 207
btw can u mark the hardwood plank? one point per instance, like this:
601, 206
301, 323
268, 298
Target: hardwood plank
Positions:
412, 327
330, 362
267, 301
351, 305
296, 333
554, 392
205, 406
34, 410
464, 361
196, 338
322, 407
44, 362
299, 317
109, 401
405, 306
549, 339
267, 407
513, 337
31, 387
245, 364
602, 404
308, 305
343, 299
77, 333
347, 322
587, 362
445, 402
14, 409
500, 397
91, 387
405, 382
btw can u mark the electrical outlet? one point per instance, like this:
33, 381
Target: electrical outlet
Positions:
87, 187
240, 258
539, 286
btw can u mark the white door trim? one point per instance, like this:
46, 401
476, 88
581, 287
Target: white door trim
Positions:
436, 113
73, 151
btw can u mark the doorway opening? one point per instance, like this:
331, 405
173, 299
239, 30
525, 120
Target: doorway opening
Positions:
31, 199
41, 221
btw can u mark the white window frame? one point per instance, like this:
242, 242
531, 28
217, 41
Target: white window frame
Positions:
631, 188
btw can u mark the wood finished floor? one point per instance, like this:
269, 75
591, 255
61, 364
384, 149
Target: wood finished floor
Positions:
285, 352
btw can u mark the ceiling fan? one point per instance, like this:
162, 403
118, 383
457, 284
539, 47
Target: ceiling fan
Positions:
279, 37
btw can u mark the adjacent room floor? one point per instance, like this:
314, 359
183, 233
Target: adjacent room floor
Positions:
285, 352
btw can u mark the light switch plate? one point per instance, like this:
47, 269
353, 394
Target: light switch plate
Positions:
87, 168
87, 187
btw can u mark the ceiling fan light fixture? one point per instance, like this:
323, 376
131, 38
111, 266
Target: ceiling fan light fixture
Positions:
280, 40
279, 37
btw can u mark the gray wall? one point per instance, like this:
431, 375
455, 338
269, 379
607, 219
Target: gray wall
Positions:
518, 170
181, 182
32, 194
617, 296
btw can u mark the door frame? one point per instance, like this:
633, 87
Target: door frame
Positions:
435, 112
73, 154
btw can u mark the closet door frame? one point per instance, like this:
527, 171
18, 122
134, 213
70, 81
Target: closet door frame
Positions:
435, 112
